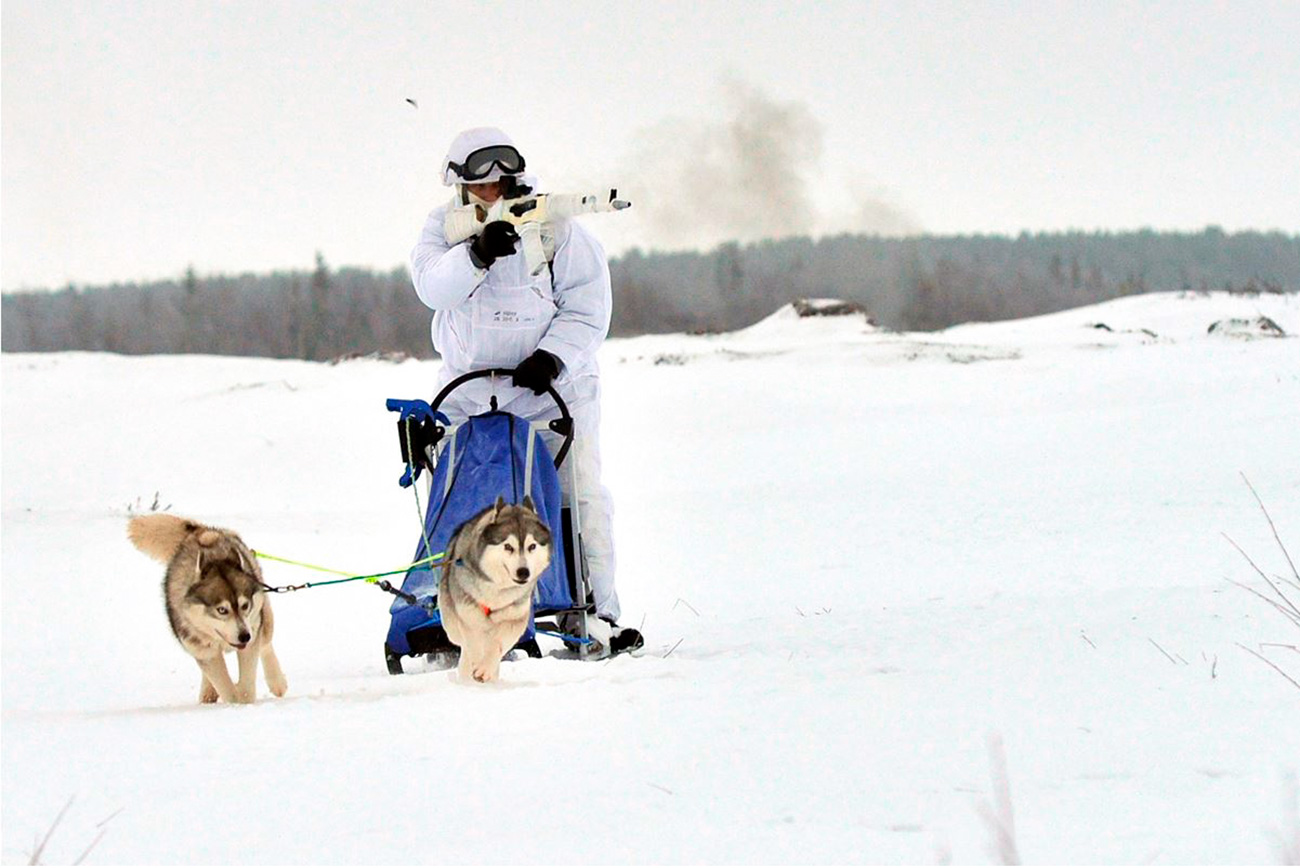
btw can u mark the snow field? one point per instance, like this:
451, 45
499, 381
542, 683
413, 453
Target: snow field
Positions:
856, 555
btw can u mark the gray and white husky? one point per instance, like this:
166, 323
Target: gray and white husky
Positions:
215, 602
485, 593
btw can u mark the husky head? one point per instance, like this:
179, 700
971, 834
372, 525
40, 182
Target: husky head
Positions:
514, 545
225, 600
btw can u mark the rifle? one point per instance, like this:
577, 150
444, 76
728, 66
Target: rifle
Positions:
528, 211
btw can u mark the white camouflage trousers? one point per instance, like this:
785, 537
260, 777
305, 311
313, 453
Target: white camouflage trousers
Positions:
595, 506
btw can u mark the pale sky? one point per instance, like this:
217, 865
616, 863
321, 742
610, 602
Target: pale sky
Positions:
140, 138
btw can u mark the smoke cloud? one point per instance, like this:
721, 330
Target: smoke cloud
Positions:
754, 171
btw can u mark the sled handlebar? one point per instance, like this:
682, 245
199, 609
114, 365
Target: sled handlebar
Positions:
562, 426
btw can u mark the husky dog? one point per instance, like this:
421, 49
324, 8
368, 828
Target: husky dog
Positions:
485, 593
215, 602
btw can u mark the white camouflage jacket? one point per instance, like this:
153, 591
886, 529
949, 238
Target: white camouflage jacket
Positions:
497, 317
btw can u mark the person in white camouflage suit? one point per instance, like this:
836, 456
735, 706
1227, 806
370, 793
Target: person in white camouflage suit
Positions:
490, 312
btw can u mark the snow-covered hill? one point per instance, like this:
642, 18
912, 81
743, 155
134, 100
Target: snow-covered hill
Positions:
857, 556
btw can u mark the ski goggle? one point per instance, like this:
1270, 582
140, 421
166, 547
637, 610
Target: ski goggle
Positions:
480, 163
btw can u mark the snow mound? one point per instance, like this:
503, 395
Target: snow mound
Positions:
1148, 318
1247, 328
813, 315
808, 328
807, 307
805, 324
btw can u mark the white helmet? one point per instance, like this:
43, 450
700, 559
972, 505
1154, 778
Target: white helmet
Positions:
480, 156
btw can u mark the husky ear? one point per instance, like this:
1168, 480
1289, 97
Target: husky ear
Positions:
500, 505
247, 560
528, 504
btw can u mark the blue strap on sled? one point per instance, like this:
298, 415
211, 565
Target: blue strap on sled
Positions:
418, 428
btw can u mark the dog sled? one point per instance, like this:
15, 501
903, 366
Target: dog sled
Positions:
470, 465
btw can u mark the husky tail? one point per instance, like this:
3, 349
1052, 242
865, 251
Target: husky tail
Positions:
160, 535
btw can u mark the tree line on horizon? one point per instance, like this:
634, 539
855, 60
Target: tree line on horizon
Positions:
909, 284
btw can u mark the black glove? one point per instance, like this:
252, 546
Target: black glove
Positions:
497, 239
536, 372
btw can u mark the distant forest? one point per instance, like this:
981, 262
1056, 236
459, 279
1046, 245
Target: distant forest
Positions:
922, 283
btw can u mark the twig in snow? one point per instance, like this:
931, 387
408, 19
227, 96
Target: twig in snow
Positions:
1162, 651
1276, 668
661, 789
1293, 616
674, 648
687, 605
1290, 605
1283, 603
1294, 572
103, 830
1084, 637
1289, 609
104, 822
1000, 818
40, 848
101, 825
84, 853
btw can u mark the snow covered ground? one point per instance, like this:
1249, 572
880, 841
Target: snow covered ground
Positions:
857, 556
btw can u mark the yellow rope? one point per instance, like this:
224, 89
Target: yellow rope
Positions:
373, 577
429, 561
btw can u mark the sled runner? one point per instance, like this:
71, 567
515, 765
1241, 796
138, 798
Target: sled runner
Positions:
470, 465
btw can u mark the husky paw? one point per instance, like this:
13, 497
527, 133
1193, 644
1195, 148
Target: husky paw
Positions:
278, 685
244, 697
480, 671
208, 695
